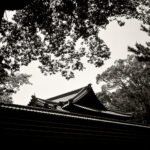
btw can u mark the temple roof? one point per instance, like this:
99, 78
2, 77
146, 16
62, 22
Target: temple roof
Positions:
86, 98
37, 110
65, 96
80, 101
35, 125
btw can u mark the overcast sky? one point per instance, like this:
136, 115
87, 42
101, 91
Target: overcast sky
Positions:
117, 38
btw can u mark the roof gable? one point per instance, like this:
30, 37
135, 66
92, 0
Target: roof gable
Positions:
86, 97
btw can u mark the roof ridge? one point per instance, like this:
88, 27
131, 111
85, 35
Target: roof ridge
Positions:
65, 94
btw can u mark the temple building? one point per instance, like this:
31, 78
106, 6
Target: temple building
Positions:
76, 117
80, 101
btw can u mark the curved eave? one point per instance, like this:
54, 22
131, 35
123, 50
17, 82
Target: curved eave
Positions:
94, 112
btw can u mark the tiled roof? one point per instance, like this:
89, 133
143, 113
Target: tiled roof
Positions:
64, 97
33, 125
43, 111
80, 101
86, 97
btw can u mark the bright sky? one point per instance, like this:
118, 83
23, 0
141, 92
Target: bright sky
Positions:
117, 38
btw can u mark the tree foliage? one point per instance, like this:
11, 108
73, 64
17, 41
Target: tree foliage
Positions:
9, 80
127, 85
12, 5
48, 30
143, 52
10, 83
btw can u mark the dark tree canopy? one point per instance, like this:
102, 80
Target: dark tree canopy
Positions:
127, 85
142, 52
12, 5
61, 23
10, 84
